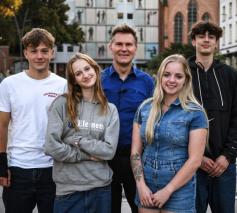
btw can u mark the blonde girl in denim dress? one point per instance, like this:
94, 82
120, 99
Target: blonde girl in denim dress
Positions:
169, 137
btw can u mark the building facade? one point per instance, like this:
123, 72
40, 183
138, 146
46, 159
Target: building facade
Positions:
178, 17
228, 22
97, 18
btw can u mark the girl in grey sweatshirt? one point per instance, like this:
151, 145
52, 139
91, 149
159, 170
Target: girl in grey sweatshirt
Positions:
82, 135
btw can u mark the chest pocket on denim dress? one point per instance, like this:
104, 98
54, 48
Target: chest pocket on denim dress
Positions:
177, 132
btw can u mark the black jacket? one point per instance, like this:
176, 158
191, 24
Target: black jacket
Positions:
216, 89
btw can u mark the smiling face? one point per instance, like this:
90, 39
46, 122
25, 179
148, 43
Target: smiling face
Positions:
123, 47
38, 57
85, 75
173, 79
205, 44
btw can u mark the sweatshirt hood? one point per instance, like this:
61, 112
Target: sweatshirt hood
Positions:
216, 64
197, 67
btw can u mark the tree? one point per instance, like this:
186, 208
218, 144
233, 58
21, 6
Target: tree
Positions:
48, 14
9, 8
186, 50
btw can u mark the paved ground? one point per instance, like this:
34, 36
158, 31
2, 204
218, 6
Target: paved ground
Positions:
125, 206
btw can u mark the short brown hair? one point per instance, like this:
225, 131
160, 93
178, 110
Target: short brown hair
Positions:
36, 36
202, 27
124, 28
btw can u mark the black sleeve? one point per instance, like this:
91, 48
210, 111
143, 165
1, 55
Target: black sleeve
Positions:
230, 149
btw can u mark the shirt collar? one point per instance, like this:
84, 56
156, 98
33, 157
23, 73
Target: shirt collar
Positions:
176, 102
134, 71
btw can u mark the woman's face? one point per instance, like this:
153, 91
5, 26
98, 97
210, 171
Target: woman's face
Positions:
84, 73
173, 79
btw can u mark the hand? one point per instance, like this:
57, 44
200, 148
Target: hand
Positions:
221, 164
161, 196
145, 195
6, 181
207, 164
94, 158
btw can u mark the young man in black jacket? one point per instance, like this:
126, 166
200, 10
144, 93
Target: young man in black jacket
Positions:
215, 85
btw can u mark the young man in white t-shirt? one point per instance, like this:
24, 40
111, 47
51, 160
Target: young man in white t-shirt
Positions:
25, 171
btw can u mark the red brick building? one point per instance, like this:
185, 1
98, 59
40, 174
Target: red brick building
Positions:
177, 17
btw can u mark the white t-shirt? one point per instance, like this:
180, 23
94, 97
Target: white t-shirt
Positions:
28, 101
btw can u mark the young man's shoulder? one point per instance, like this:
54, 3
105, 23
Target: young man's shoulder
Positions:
57, 77
225, 69
13, 78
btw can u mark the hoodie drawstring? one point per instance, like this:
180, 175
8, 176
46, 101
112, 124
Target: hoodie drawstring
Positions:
200, 90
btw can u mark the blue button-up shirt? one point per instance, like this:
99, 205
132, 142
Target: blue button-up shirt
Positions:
127, 95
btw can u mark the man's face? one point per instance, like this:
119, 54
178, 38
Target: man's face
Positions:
123, 47
205, 44
38, 57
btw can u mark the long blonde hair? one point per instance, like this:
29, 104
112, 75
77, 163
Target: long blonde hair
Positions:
74, 94
186, 95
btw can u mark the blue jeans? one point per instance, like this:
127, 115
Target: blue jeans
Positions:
29, 187
97, 200
218, 192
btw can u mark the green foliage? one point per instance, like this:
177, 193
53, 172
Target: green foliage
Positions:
50, 14
9, 7
186, 50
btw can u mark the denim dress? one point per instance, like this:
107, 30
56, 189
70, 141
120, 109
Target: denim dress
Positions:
165, 156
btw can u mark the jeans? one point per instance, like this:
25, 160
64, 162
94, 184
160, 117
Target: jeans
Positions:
97, 200
123, 176
218, 192
29, 187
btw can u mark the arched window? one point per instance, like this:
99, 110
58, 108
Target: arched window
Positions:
178, 28
192, 13
206, 17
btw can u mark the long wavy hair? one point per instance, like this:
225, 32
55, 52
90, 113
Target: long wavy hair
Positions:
74, 93
186, 95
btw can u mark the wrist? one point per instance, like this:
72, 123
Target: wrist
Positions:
3, 165
170, 188
140, 183
227, 159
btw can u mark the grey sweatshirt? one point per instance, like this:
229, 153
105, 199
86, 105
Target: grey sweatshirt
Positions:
98, 133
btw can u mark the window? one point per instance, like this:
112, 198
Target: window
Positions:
206, 17
235, 31
70, 48
178, 28
223, 13
129, 16
130, 0
230, 33
236, 7
230, 10
60, 48
120, 15
192, 13
223, 37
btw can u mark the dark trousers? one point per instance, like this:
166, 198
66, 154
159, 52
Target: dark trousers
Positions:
218, 192
122, 176
29, 187
96, 200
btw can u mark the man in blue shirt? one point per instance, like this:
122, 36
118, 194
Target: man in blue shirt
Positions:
126, 87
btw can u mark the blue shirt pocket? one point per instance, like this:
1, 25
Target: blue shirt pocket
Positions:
177, 132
